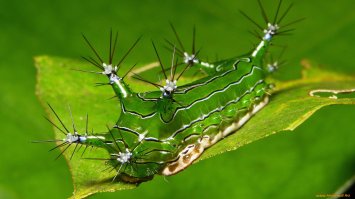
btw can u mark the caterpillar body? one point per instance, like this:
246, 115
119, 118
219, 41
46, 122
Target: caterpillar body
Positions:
175, 124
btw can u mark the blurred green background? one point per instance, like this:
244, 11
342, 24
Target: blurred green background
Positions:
317, 158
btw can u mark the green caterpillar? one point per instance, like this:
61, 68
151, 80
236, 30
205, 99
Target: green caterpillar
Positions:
164, 131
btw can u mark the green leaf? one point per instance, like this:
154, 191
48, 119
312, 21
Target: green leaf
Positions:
289, 106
